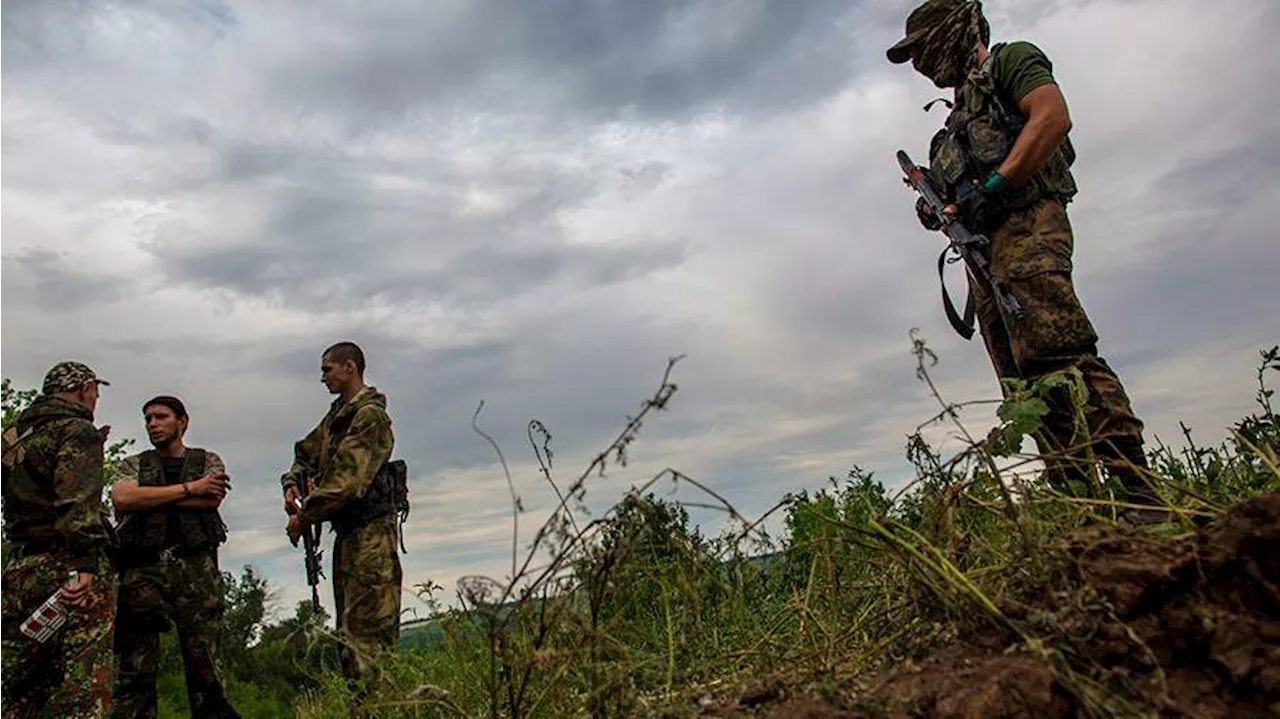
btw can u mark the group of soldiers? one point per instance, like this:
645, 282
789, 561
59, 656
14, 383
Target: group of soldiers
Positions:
156, 567
1003, 160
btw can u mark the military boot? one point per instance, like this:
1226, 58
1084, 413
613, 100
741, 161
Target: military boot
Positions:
1127, 463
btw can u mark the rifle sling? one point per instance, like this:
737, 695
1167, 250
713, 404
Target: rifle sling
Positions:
962, 326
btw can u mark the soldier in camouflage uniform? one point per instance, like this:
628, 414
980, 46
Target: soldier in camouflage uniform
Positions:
56, 523
167, 499
1003, 159
344, 461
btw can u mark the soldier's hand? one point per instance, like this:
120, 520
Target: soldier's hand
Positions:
211, 485
75, 593
104, 430
926, 215
291, 498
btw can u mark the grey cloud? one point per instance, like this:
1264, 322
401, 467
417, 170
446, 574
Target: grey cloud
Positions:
1214, 265
1224, 183
329, 236
49, 281
599, 58
332, 168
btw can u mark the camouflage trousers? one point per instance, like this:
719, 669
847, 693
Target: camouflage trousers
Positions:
1032, 253
70, 674
366, 594
185, 592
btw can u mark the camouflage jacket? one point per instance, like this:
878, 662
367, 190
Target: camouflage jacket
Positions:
53, 482
342, 454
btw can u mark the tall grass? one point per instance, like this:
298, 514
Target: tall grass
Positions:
636, 611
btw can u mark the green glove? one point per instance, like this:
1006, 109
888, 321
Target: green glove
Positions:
996, 184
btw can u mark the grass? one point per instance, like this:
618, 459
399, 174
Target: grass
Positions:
636, 612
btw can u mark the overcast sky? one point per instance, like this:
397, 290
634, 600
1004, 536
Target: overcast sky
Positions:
535, 204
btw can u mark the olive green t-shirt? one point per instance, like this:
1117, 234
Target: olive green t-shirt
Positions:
1020, 67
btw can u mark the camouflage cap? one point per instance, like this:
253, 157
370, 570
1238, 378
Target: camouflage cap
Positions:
69, 377
919, 23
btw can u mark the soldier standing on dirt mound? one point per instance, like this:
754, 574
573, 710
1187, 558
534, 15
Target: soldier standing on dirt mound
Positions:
167, 499
1003, 158
56, 524
344, 461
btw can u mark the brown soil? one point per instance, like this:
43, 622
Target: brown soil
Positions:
1143, 624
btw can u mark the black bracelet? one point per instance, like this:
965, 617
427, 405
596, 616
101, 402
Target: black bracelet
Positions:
186, 490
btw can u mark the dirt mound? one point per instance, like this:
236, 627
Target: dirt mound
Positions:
1133, 623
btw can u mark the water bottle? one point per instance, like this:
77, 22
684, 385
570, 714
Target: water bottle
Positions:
49, 617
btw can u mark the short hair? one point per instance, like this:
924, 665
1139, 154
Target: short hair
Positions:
344, 351
169, 401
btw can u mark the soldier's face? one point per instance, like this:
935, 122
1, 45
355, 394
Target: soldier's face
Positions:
163, 424
336, 376
88, 396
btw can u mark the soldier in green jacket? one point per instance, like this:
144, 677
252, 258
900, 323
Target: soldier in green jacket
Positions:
1003, 160
56, 524
167, 498
344, 461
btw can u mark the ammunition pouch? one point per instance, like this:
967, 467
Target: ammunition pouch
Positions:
388, 494
979, 133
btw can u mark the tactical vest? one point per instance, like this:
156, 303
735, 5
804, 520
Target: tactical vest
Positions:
146, 531
388, 493
978, 135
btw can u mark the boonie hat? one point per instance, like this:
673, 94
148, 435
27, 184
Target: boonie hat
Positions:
919, 23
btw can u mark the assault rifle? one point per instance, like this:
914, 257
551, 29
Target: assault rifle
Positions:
966, 244
311, 538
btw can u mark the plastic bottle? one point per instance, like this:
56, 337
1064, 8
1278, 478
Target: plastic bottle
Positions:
49, 617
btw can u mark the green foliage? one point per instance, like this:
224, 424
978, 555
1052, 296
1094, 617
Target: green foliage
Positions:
14, 401
636, 610
650, 612
267, 667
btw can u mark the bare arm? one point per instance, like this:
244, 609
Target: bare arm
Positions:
1047, 124
128, 496
213, 466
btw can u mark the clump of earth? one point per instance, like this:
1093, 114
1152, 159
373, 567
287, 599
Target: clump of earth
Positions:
1141, 623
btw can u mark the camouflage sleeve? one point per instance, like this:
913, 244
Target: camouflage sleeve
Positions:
77, 482
306, 455
363, 450
213, 464
128, 469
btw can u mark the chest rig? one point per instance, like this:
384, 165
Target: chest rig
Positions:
979, 133
150, 531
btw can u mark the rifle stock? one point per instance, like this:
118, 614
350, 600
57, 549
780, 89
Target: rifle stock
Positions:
966, 244
311, 538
